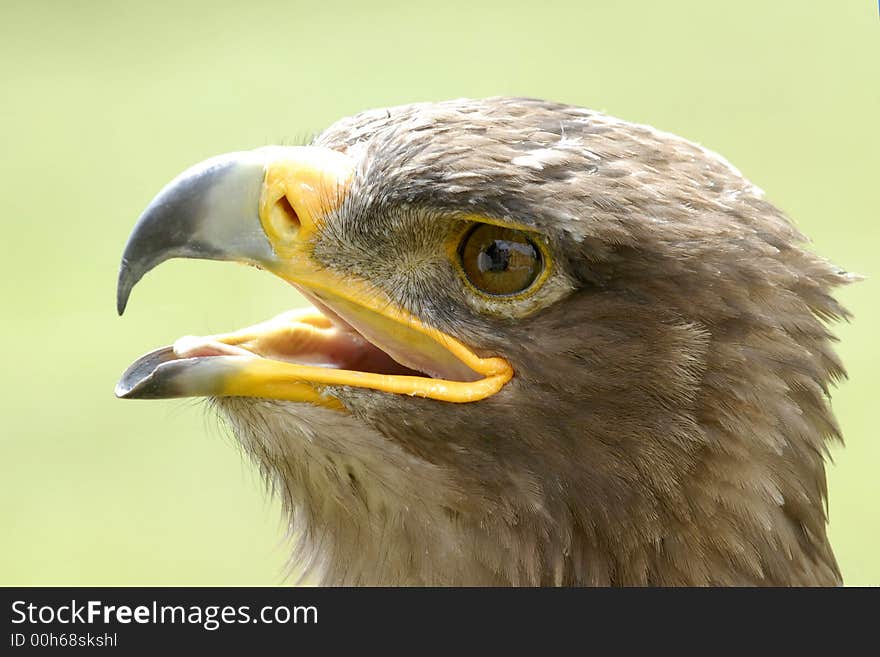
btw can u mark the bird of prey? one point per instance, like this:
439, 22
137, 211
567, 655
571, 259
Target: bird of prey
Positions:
545, 346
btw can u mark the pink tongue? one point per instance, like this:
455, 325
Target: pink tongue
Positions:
342, 350
195, 346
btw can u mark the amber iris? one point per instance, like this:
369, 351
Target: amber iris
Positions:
499, 261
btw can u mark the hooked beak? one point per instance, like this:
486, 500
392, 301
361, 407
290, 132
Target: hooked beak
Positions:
210, 211
266, 208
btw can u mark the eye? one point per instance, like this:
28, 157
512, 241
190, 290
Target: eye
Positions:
499, 261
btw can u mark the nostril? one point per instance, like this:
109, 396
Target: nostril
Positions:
284, 210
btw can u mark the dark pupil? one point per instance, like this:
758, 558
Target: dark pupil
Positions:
496, 256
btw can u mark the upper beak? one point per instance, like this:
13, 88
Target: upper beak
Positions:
265, 208
209, 211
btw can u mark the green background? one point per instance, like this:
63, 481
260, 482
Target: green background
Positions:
102, 103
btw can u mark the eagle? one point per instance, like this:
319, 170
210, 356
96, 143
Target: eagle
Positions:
544, 347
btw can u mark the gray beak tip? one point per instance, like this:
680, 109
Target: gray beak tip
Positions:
142, 380
123, 288
210, 211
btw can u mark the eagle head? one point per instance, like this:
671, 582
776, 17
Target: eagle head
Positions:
543, 346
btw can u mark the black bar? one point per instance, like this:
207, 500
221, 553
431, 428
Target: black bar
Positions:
128, 619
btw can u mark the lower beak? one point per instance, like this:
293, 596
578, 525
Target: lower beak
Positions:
265, 208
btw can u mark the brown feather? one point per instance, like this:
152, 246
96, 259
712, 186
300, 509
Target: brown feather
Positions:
669, 419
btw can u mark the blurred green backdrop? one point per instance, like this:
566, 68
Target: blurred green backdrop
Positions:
103, 102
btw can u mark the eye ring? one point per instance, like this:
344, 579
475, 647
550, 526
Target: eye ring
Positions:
501, 262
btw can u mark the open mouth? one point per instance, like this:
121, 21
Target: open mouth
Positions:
264, 208
299, 354
300, 337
